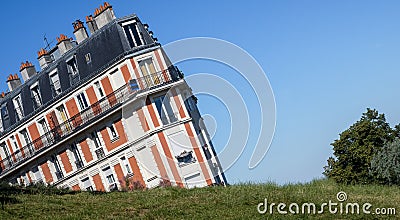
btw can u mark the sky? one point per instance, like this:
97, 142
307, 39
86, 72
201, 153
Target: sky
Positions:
326, 61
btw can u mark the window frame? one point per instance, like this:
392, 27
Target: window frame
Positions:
54, 75
38, 101
110, 128
98, 90
18, 107
82, 100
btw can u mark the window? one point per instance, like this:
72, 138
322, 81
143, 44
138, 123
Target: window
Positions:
27, 141
125, 164
110, 178
57, 167
15, 147
164, 109
7, 154
96, 140
185, 158
135, 38
190, 103
149, 72
18, 108
83, 104
99, 90
88, 58
63, 118
4, 111
77, 156
4, 117
73, 71
55, 84
1, 123
36, 98
72, 67
99, 151
44, 129
112, 132
37, 175
87, 184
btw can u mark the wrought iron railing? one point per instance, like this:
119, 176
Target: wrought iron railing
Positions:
96, 111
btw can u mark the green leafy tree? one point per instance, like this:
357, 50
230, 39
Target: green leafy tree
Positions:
356, 147
385, 166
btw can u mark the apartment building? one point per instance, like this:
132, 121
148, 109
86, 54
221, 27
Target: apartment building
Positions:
106, 106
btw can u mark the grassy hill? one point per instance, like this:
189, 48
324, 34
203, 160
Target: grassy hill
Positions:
234, 202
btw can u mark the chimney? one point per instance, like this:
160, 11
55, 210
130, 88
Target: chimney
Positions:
44, 58
91, 24
79, 31
27, 70
103, 15
13, 82
64, 44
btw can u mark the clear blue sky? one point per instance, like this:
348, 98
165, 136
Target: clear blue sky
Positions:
327, 61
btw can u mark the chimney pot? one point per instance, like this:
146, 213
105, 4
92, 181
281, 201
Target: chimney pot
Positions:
44, 58
80, 31
91, 24
64, 44
27, 70
103, 15
13, 82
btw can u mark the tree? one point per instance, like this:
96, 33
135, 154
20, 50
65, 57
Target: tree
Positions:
385, 166
356, 147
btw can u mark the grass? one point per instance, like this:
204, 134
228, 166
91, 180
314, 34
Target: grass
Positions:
234, 202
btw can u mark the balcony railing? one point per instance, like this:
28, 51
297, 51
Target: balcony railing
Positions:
89, 115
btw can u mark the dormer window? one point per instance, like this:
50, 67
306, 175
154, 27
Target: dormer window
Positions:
73, 71
55, 84
72, 67
36, 97
133, 34
18, 108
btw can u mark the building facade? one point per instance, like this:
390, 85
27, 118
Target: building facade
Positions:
106, 107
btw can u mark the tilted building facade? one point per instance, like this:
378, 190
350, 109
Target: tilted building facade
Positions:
105, 107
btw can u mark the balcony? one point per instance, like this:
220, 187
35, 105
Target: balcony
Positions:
89, 115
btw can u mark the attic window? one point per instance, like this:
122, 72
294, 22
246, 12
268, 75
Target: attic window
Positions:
133, 34
36, 98
18, 108
72, 66
88, 58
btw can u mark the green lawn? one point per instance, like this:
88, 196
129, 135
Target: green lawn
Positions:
233, 202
